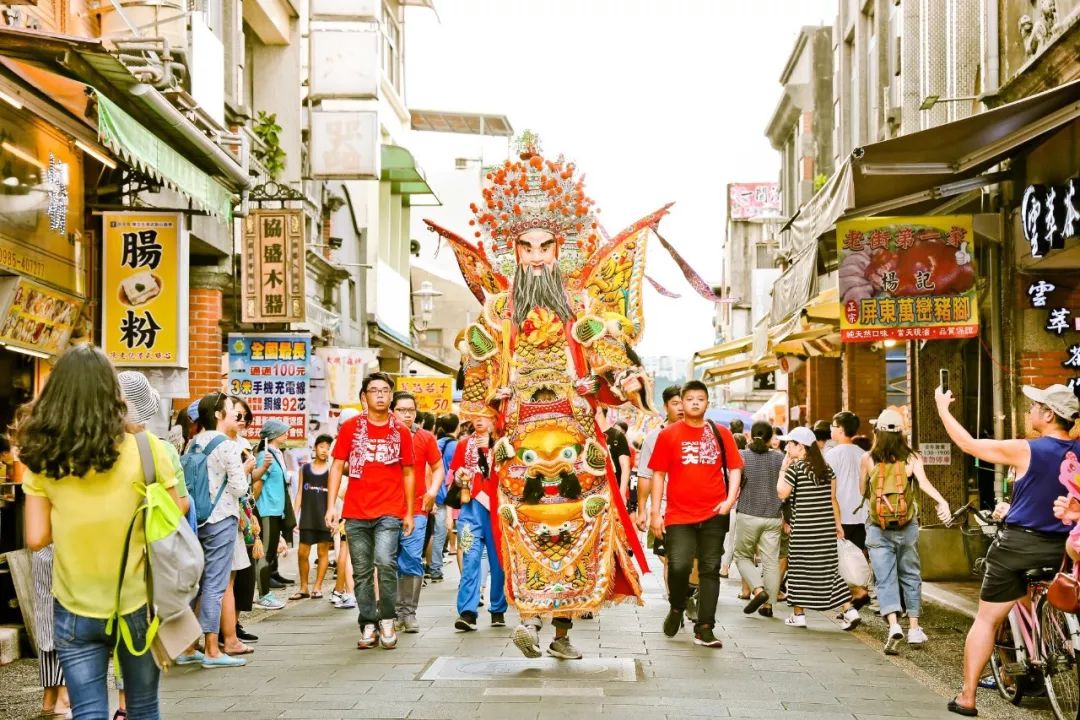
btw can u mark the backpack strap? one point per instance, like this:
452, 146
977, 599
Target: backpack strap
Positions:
210, 448
723, 452
146, 455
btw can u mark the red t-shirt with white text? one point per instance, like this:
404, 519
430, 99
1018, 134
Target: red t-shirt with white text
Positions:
426, 453
379, 490
695, 479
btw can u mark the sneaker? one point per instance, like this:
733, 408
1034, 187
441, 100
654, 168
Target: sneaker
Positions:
276, 584
437, 578
706, 638
562, 649
283, 579
399, 624
387, 634
244, 635
892, 642
498, 619
691, 608
410, 625
759, 599
916, 636
796, 621
269, 602
851, 620
367, 637
527, 640
346, 602
673, 622
465, 624
335, 596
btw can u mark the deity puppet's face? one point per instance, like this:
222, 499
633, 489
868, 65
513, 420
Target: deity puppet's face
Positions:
536, 249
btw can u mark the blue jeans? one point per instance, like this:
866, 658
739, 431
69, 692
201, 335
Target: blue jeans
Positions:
894, 555
85, 650
373, 544
217, 542
438, 542
410, 557
474, 537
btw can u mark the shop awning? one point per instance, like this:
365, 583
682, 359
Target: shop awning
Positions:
739, 369
723, 350
399, 168
380, 336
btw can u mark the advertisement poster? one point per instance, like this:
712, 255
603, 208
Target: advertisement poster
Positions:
345, 369
144, 269
35, 317
753, 200
270, 371
907, 278
433, 394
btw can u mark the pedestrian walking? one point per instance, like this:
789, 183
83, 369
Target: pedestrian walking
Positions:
80, 498
310, 509
888, 477
698, 465
445, 430
845, 458
240, 595
343, 596
760, 522
270, 489
813, 577
378, 506
672, 398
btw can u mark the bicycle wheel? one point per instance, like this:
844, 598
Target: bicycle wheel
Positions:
1060, 668
1008, 672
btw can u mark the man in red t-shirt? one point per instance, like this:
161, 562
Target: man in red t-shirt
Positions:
428, 476
699, 465
376, 451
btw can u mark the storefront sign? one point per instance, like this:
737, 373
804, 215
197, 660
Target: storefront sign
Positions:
345, 63
345, 145
753, 200
1050, 214
433, 394
905, 278
272, 271
144, 289
936, 453
345, 369
270, 372
35, 317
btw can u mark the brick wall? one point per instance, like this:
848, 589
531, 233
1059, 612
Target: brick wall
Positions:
204, 341
863, 383
822, 388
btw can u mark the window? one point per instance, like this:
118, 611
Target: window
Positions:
764, 257
433, 338
354, 311
391, 49
852, 136
870, 96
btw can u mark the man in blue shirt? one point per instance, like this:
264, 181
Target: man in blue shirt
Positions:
270, 490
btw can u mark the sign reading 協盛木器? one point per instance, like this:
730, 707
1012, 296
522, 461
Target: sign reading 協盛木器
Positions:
272, 271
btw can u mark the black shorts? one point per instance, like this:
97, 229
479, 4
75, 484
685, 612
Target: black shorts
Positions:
1011, 555
314, 537
856, 533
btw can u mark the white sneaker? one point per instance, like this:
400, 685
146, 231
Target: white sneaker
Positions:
345, 602
335, 597
269, 602
851, 619
916, 636
527, 640
796, 621
892, 642
387, 634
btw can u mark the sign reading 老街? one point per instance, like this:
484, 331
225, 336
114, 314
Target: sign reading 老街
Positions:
270, 371
272, 271
144, 289
907, 278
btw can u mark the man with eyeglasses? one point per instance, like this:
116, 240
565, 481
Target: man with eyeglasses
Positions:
378, 509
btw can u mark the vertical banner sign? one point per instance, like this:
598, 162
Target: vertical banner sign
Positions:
907, 278
272, 271
144, 279
433, 394
345, 370
270, 372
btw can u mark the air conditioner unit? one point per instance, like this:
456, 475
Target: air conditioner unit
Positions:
892, 105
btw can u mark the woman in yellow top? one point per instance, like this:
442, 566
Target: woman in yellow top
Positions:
80, 496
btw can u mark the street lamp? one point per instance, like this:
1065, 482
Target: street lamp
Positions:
930, 101
427, 294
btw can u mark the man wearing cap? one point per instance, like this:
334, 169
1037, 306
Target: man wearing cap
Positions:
1031, 537
269, 487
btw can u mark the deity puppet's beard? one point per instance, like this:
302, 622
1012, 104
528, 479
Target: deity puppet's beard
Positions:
569, 487
540, 290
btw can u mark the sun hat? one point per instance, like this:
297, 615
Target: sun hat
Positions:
273, 429
801, 435
1058, 398
889, 421
143, 401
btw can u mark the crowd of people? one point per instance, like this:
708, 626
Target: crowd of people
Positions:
388, 497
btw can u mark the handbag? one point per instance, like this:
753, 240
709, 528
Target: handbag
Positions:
1064, 591
852, 563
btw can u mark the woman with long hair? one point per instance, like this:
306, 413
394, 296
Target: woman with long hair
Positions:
80, 497
813, 579
759, 528
893, 544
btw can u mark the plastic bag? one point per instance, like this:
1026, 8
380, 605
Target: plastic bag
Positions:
853, 566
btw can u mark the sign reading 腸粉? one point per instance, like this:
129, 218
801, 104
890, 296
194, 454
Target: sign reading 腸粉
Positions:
144, 278
270, 371
433, 394
907, 278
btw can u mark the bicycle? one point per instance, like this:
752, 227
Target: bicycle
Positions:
1035, 651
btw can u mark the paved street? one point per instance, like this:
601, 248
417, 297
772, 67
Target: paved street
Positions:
306, 666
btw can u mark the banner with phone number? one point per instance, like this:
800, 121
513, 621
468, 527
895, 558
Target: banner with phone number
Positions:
270, 372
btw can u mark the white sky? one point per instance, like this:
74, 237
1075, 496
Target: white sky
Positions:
655, 100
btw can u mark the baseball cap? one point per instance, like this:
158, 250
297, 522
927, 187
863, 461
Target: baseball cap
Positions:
801, 435
1058, 398
889, 421
143, 400
273, 429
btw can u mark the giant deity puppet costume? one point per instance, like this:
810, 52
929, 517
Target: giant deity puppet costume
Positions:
552, 348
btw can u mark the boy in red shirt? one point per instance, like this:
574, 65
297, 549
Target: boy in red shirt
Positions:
378, 509
699, 465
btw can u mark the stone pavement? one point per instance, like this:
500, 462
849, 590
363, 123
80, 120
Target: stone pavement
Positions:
307, 666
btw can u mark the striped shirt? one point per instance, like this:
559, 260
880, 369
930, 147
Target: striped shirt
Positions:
761, 471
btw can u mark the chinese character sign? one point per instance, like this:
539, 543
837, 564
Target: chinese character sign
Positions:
271, 373
273, 267
433, 394
144, 289
753, 200
907, 278
345, 370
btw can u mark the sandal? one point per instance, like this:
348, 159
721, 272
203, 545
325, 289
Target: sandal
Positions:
299, 596
316, 595
245, 650
955, 707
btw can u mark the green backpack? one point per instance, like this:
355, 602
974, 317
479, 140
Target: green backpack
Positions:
891, 495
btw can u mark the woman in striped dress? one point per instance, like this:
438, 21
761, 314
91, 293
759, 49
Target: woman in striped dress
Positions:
813, 580
55, 700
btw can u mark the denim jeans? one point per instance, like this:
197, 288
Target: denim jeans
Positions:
217, 542
410, 557
438, 542
85, 651
373, 544
705, 542
894, 555
474, 538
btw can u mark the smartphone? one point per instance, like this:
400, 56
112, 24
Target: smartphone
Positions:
944, 374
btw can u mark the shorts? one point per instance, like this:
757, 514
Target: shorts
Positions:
856, 533
240, 559
314, 537
1011, 555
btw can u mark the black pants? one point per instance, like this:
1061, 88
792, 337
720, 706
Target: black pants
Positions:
705, 542
244, 586
271, 534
